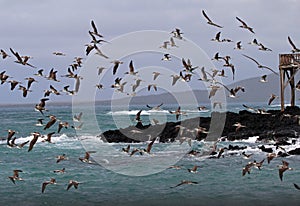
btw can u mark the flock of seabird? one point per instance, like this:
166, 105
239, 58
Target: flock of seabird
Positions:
185, 75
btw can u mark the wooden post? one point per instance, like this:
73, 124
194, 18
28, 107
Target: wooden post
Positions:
281, 71
292, 83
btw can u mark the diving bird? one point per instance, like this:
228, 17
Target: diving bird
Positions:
188, 67
247, 168
126, 149
172, 42
282, 168
185, 182
244, 25
116, 65
62, 125
263, 79
49, 136
50, 122
175, 78
60, 158
259, 65
138, 116
155, 107
21, 60
155, 75
15, 176
217, 37
177, 33
166, 57
152, 86
73, 183
178, 112
58, 53
4, 54
77, 118
296, 186
36, 135
10, 134
13, 84
24, 90
272, 98
52, 75
238, 45
263, 48
44, 184
270, 156
131, 69
60, 171
193, 169
149, 146
86, 158
210, 22
258, 165
246, 156
95, 31
238, 125
294, 48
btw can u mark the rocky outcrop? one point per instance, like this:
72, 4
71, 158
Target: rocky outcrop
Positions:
275, 125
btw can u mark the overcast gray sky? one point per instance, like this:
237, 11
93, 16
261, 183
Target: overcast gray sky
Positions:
38, 28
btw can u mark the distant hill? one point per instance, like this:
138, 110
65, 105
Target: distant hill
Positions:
255, 91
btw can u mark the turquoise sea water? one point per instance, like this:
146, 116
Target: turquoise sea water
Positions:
220, 181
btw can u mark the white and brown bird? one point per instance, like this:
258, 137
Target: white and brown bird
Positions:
209, 21
272, 98
282, 168
154, 86
116, 65
260, 65
247, 168
95, 31
77, 117
185, 182
270, 157
238, 126
58, 53
244, 25
15, 176
73, 183
86, 158
44, 184
36, 135
62, 125
63, 170
21, 59
177, 112
193, 169
60, 158
131, 69
155, 75
238, 45
4, 54
263, 78
50, 122
294, 48
49, 136
246, 156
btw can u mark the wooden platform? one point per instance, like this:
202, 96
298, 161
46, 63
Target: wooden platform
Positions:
289, 64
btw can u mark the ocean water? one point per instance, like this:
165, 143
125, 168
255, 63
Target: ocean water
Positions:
220, 181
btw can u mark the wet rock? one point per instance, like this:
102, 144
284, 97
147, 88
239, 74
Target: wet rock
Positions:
276, 126
295, 151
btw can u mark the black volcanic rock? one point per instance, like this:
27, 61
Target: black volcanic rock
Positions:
295, 151
273, 126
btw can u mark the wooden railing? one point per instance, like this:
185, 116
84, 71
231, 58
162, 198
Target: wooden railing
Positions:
289, 60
